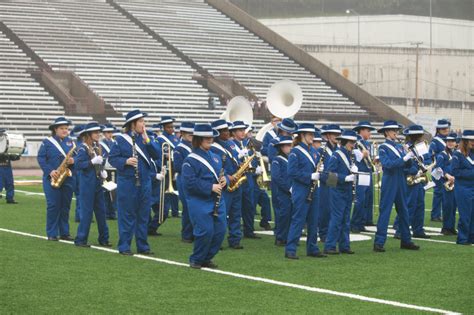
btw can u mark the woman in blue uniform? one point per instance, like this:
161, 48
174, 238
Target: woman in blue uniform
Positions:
89, 164
394, 187
110, 198
51, 154
180, 153
131, 157
281, 189
203, 185
302, 163
342, 164
443, 161
463, 171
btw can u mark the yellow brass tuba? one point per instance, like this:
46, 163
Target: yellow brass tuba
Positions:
63, 169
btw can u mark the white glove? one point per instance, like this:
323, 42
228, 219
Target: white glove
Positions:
358, 155
243, 153
97, 160
315, 176
437, 173
258, 170
175, 176
258, 154
354, 169
408, 156
321, 168
103, 174
349, 178
159, 177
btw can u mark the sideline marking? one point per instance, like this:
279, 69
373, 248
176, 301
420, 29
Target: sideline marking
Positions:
260, 279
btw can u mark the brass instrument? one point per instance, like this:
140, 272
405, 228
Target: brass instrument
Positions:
448, 186
63, 170
240, 174
368, 160
166, 164
420, 177
215, 212
262, 179
135, 155
315, 183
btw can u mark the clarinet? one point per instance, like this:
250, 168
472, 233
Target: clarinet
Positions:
314, 184
354, 183
135, 155
215, 212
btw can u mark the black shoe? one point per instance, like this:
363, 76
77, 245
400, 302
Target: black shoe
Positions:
252, 236
348, 252
436, 220
468, 244
53, 238
185, 240
82, 245
317, 255
154, 233
396, 236
454, 231
409, 246
106, 244
266, 226
322, 239
126, 253
379, 248
77, 221
210, 265
146, 253
448, 232
280, 243
13, 202
291, 256
421, 236
195, 266
66, 238
331, 252
236, 246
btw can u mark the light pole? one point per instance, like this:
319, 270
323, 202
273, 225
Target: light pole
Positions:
416, 75
349, 11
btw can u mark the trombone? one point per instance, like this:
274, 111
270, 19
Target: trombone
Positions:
167, 165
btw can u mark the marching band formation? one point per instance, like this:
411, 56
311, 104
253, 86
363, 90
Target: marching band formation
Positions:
220, 173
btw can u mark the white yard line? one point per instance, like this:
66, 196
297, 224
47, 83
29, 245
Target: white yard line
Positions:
263, 280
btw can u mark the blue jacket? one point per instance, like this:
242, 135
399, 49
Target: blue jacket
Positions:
392, 163
337, 165
362, 164
280, 174
438, 144
271, 134
300, 167
413, 167
84, 166
443, 160
49, 157
123, 150
231, 163
327, 156
180, 153
463, 169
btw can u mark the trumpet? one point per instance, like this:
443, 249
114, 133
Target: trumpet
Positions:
166, 164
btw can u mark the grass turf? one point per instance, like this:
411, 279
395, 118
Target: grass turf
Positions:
40, 276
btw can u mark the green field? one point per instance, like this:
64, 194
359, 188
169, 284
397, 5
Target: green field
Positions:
51, 277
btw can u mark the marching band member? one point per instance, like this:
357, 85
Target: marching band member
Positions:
443, 161
225, 148
282, 189
394, 187
76, 135
131, 157
342, 164
52, 152
363, 204
330, 132
271, 134
89, 161
203, 186
157, 175
416, 192
110, 198
302, 163
180, 153
463, 172
168, 136
248, 211
438, 145
317, 140
6, 175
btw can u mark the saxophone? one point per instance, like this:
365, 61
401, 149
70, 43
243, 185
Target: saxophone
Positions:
63, 169
240, 174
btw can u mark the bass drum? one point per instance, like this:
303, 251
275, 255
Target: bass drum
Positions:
12, 144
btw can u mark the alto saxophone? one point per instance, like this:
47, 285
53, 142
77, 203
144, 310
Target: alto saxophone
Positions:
63, 170
240, 174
